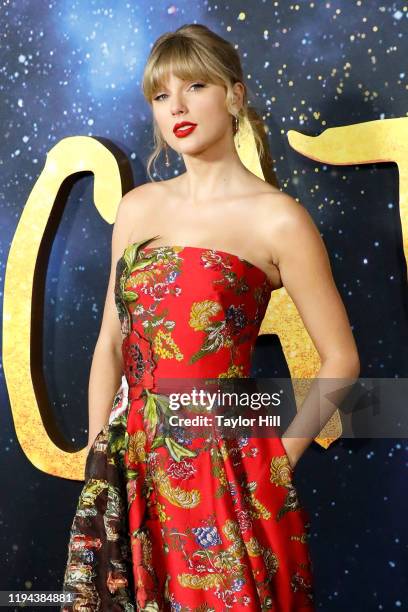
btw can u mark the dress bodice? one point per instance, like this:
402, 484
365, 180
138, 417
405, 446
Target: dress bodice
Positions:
187, 311
171, 520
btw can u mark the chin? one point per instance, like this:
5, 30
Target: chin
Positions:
191, 148
194, 148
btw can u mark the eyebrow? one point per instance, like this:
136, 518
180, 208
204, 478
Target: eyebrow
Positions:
162, 86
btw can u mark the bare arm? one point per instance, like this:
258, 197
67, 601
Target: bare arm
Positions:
306, 274
107, 363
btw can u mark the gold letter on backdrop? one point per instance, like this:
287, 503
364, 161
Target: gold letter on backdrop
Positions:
68, 157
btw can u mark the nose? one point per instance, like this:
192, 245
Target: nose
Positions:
177, 105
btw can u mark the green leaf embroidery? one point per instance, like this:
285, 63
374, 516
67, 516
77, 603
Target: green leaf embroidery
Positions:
130, 296
177, 451
214, 341
163, 403
158, 441
140, 264
150, 416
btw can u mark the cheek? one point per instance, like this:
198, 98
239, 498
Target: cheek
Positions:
213, 116
162, 118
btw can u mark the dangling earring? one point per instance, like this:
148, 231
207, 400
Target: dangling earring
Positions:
167, 162
236, 128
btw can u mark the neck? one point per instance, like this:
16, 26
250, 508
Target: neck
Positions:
212, 173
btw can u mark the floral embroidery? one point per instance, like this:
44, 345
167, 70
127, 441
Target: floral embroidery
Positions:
215, 261
138, 362
167, 521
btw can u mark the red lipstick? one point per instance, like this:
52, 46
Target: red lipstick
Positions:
184, 128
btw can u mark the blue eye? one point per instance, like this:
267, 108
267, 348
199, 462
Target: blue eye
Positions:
160, 97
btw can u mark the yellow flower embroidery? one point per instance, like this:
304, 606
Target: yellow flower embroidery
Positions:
233, 371
201, 312
280, 471
170, 351
161, 511
136, 447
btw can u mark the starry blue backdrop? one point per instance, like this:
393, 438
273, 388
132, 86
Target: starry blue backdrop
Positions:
74, 68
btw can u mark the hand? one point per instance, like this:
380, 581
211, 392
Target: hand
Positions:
91, 443
292, 460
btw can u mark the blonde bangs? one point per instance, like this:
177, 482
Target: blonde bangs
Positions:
185, 60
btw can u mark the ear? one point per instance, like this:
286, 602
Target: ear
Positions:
239, 91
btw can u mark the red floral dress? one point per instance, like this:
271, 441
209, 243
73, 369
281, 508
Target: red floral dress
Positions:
171, 523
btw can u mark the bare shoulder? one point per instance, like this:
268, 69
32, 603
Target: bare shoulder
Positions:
283, 224
139, 198
281, 208
138, 206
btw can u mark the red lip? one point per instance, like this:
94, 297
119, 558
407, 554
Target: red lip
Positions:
181, 133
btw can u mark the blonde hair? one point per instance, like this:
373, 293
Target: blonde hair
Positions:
193, 51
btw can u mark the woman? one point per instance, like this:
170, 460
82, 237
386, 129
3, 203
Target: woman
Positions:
165, 522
